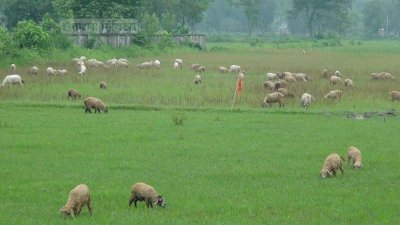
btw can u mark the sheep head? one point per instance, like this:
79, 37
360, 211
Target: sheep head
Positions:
160, 201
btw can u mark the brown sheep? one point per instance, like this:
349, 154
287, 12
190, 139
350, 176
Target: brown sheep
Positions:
335, 94
395, 95
285, 92
72, 93
353, 154
103, 84
332, 163
78, 197
96, 104
275, 97
144, 192
335, 80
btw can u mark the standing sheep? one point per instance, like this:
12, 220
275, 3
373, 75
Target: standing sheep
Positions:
275, 97
179, 61
176, 66
271, 76
335, 94
197, 79
13, 68
33, 70
395, 95
78, 197
103, 84
332, 163
157, 64
354, 155
348, 83
235, 68
96, 104
335, 80
72, 93
223, 69
306, 99
146, 193
325, 73
12, 79
51, 72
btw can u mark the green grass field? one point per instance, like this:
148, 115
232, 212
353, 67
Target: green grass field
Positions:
249, 165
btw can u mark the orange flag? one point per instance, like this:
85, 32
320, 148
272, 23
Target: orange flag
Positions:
239, 86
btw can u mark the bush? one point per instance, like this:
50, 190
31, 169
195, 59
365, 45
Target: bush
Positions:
57, 38
29, 35
166, 41
7, 45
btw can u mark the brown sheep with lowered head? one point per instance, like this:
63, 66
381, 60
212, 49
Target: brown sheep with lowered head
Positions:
275, 97
78, 197
144, 192
72, 93
103, 84
395, 95
96, 104
353, 154
332, 163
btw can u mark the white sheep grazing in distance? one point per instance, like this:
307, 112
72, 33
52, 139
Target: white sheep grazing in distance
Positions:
335, 80
176, 66
354, 154
332, 163
197, 79
335, 94
157, 64
51, 72
348, 83
306, 99
337, 73
179, 61
13, 79
78, 197
13, 68
271, 76
33, 70
144, 192
235, 68
223, 69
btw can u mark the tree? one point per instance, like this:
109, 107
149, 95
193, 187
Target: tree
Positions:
18, 10
374, 18
105, 9
251, 10
317, 8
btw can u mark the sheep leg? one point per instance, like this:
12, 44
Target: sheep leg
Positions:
334, 172
78, 209
130, 202
89, 206
341, 170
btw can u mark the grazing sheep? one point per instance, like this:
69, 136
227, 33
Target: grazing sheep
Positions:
271, 76
51, 72
145, 65
197, 79
122, 64
176, 66
78, 197
223, 69
146, 193
156, 64
290, 78
348, 83
62, 72
281, 83
301, 77
353, 154
306, 99
325, 73
285, 92
96, 104
235, 68
381, 76
200, 69
194, 66
13, 68
112, 62
275, 97
269, 85
103, 84
337, 73
395, 95
335, 94
33, 70
335, 80
72, 93
13, 79
387, 76
179, 61
123, 60
332, 163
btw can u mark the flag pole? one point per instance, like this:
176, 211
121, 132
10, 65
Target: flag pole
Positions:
234, 95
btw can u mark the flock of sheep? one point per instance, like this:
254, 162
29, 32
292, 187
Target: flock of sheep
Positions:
80, 196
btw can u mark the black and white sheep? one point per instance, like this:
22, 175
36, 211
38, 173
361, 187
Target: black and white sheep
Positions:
144, 192
78, 197
332, 163
96, 104
354, 157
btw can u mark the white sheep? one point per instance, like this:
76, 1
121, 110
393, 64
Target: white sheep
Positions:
179, 61
82, 68
156, 64
271, 76
301, 77
77, 198
332, 163
122, 64
335, 80
195, 66
197, 79
223, 69
33, 70
13, 79
112, 62
354, 154
145, 65
306, 99
337, 73
335, 94
51, 72
290, 78
62, 72
124, 60
269, 85
348, 82
13, 68
275, 97
235, 68
176, 66
144, 192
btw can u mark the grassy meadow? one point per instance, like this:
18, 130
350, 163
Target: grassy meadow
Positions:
249, 165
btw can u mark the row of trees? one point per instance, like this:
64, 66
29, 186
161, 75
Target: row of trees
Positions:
307, 17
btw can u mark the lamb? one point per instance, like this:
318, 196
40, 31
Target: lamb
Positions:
335, 94
103, 84
271, 76
348, 83
96, 104
51, 72
197, 79
395, 95
223, 69
335, 80
33, 70
144, 192
13, 79
306, 99
332, 163
13, 68
235, 68
72, 93
273, 98
353, 154
62, 72
78, 197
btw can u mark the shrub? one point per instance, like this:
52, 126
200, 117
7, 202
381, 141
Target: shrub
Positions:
28, 34
7, 45
178, 118
57, 38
